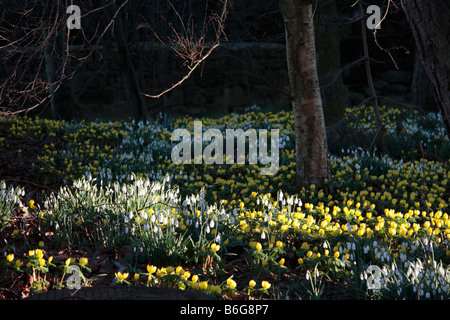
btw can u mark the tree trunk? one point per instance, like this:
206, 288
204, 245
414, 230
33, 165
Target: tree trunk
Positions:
310, 135
430, 25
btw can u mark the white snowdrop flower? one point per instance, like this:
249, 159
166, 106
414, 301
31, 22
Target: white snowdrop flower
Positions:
325, 245
349, 246
307, 276
145, 227
408, 272
427, 295
375, 244
153, 218
211, 224
126, 219
290, 201
126, 229
353, 246
196, 224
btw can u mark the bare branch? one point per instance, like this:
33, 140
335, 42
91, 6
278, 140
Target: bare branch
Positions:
191, 48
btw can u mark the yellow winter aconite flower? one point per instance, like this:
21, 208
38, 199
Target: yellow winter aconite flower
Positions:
194, 278
83, 261
169, 270
180, 271
203, 285
215, 247
231, 283
161, 272
121, 276
258, 246
281, 262
32, 206
195, 285
10, 257
265, 284
39, 254
252, 283
305, 246
151, 269
215, 289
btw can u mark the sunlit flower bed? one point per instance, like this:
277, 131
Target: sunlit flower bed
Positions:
226, 229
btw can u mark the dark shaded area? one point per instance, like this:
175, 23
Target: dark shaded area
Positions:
104, 75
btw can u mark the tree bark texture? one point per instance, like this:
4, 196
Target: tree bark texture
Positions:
430, 25
310, 134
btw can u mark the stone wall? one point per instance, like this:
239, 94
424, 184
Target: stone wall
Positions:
234, 77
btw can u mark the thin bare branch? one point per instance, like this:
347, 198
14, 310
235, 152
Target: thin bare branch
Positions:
191, 48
